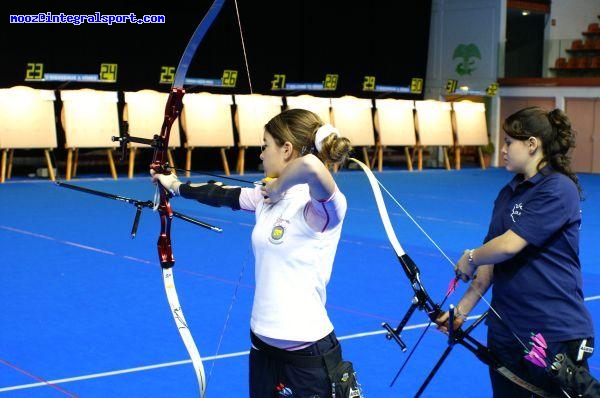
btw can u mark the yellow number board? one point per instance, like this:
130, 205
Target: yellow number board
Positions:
108, 73
369, 83
34, 71
167, 74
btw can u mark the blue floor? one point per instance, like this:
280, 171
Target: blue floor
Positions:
84, 311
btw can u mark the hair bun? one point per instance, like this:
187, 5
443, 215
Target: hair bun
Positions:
323, 132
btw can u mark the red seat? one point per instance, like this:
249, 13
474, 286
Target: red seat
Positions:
589, 44
572, 63
560, 63
583, 62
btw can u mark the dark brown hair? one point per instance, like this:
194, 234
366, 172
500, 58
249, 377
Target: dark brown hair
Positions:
553, 129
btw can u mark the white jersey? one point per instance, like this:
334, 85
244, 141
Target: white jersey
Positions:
293, 262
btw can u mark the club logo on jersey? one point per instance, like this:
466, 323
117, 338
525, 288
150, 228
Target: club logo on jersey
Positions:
277, 234
278, 231
516, 211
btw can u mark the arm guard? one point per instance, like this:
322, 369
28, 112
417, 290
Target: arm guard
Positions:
212, 194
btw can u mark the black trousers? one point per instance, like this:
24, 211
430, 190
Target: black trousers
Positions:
276, 373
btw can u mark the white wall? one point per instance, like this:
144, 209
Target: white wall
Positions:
567, 20
483, 23
571, 18
456, 22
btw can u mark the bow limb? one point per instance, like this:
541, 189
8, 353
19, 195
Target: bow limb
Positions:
385, 218
422, 299
159, 162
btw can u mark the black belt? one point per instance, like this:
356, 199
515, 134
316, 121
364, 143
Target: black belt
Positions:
329, 360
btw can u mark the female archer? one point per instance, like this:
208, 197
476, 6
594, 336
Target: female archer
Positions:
299, 215
531, 255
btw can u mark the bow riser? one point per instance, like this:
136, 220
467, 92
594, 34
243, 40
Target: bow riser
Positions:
172, 111
422, 298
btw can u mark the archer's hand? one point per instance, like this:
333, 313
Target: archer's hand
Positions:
169, 181
270, 190
442, 321
464, 269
